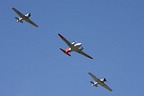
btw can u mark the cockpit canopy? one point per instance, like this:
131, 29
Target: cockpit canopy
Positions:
73, 42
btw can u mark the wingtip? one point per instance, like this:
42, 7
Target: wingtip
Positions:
90, 57
59, 35
110, 90
13, 8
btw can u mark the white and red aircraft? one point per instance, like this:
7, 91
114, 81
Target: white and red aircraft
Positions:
74, 46
24, 17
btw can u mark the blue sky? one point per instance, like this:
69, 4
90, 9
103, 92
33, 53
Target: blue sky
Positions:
111, 31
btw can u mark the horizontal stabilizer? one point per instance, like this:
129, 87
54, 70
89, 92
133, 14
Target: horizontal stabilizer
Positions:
91, 82
64, 51
16, 18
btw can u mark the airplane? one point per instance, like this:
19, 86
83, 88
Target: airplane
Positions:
24, 17
74, 46
99, 81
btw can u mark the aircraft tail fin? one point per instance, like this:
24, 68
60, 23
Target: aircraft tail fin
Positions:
18, 20
93, 84
65, 52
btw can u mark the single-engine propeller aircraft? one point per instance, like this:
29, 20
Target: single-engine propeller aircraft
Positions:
99, 81
24, 17
74, 46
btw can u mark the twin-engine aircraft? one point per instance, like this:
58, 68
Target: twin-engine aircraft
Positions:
74, 46
24, 17
99, 81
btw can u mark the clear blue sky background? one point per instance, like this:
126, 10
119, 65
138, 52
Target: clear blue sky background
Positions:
112, 32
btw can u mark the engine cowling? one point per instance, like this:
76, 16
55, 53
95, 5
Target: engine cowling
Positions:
103, 80
28, 15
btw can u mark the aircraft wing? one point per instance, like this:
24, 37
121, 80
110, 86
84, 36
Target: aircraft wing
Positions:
64, 39
105, 86
94, 77
31, 22
18, 12
81, 52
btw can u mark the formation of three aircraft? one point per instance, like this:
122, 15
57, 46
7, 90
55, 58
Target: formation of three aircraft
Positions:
74, 46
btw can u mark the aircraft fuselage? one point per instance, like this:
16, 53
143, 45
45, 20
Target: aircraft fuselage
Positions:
25, 17
76, 46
